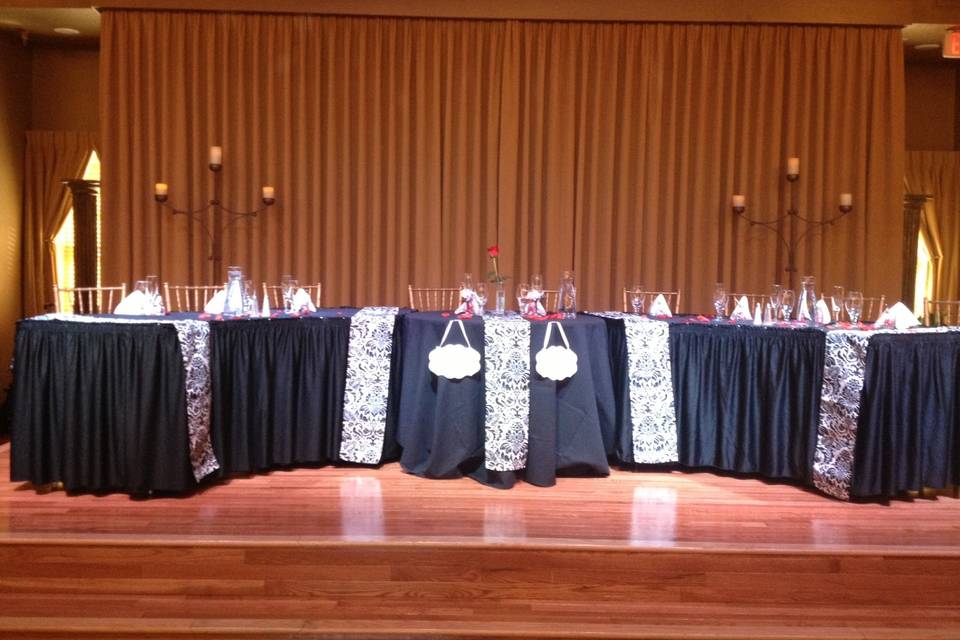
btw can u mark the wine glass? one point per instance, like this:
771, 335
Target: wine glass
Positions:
776, 300
536, 282
637, 298
467, 282
153, 293
480, 293
720, 300
836, 302
786, 303
854, 305
523, 292
289, 284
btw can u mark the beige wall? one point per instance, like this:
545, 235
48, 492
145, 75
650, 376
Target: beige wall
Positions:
14, 120
65, 89
931, 116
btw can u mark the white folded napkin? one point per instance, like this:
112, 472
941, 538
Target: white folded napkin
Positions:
757, 317
216, 303
660, 307
535, 297
822, 312
301, 301
135, 304
742, 310
898, 316
265, 310
466, 301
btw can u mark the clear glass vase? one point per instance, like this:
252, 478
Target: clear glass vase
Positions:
500, 301
233, 304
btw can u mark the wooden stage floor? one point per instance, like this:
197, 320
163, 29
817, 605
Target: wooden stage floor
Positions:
357, 552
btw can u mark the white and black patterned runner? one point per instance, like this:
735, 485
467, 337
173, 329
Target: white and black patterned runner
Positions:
367, 385
194, 339
507, 391
652, 411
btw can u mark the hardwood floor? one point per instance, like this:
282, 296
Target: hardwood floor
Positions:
355, 552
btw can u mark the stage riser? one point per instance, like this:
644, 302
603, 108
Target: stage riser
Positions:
438, 590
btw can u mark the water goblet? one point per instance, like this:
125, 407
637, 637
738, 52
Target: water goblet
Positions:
289, 291
786, 303
776, 300
467, 282
720, 300
480, 293
523, 301
637, 298
536, 282
836, 302
854, 305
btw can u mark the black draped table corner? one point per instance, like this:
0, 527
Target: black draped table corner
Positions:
441, 422
908, 435
100, 407
747, 397
277, 389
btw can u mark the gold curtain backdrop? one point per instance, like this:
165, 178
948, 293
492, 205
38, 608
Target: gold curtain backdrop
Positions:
51, 158
401, 148
937, 174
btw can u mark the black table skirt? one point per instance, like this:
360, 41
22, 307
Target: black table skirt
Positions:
908, 435
441, 422
277, 387
100, 407
747, 398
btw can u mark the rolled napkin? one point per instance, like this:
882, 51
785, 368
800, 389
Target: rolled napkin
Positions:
822, 312
135, 304
216, 304
301, 301
467, 297
265, 310
742, 310
660, 308
898, 316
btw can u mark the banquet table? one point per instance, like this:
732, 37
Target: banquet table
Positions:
441, 423
163, 404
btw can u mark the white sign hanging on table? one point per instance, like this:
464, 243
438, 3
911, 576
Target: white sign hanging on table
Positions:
556, 362
454, 361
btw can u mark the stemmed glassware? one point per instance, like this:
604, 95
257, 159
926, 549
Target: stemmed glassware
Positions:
480, 293
776, 300
568, 295
836, 302
854, 305
523, 300
786, 303
637, 298
467, 282
536, 282
720, 300
288, 286
250, 306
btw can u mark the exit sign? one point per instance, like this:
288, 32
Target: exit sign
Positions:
951, 44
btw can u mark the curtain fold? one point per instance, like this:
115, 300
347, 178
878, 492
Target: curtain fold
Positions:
937, 173
401, 148
51, 158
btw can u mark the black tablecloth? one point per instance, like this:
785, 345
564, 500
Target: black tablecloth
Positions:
908, 435
277, 389
99, 407
441, 421
747, 398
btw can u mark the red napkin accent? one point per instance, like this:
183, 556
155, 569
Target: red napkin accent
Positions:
204, 316
464, 316
549, 316
445, 314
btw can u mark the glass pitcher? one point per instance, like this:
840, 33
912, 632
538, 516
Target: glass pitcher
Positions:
233, 304
807, 305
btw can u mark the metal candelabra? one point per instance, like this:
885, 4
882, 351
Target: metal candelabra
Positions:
788, 236
223, 217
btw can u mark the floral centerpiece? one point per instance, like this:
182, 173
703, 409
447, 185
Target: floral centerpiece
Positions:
494, 276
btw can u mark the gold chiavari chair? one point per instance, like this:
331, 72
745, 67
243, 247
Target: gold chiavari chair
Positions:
182, 297
551, 300
672, 298
752, 300
89, 300
274, 293
941, 313
872, 308
434, 298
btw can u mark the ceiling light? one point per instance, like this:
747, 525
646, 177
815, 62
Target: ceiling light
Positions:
66, 31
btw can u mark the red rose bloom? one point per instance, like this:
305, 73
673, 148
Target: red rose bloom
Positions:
493, 251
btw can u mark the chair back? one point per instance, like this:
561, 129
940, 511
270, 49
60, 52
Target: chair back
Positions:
872, 308
672, 298
274, 293
434, 298
550, 300
88, 300
183, 297
941, 313
752, 300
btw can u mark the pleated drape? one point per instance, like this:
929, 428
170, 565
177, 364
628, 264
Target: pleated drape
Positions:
401, 148
937, 174
51, 158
